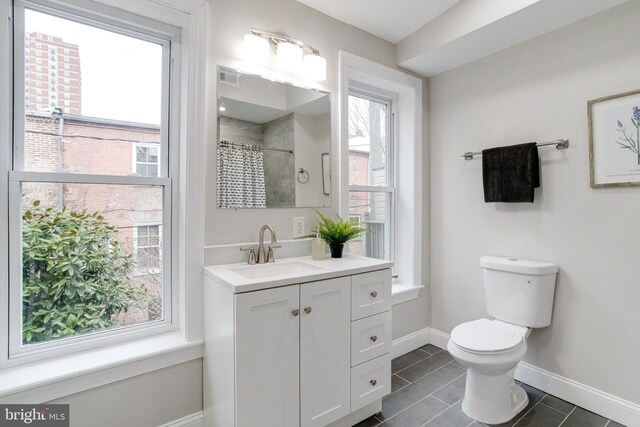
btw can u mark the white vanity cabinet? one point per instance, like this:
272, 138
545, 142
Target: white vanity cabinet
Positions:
296, 355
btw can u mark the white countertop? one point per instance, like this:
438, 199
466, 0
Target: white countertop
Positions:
317, 270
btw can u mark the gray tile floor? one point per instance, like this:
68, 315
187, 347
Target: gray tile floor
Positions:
427, 388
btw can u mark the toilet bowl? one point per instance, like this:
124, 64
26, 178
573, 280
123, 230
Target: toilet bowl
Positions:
490, 350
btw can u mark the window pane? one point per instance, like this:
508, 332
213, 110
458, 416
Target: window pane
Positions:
153, 155
372, 211
141, 154
142, 169
148, 258
88, 122
368, 143
80, 271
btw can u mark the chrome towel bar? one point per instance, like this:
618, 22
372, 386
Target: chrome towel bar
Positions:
559, 143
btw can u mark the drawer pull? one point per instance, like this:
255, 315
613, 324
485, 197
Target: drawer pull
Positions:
374, 294
295, 312
374, 338
373, 382
307, 310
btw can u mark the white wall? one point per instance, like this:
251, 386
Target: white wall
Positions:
539, 91
147, 400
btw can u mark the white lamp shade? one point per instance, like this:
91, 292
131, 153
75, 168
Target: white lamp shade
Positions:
289, 56
314, 67
256, 49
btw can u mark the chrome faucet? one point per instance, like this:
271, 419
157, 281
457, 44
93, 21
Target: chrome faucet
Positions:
274, 244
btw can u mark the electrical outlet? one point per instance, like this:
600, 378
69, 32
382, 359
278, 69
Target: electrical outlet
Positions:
298, 226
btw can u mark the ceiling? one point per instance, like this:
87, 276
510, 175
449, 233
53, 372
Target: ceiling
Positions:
392, 20
433, 36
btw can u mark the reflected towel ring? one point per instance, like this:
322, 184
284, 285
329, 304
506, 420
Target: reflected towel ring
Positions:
303, 176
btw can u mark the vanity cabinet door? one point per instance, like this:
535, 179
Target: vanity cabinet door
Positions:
325, 314
267, 358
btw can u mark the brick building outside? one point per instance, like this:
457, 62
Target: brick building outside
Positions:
75, 144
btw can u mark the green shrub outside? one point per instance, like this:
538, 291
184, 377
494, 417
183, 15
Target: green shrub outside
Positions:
75, 274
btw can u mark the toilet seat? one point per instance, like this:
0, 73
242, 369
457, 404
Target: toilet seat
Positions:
484, 336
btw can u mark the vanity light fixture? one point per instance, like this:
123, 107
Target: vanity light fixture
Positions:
291, 54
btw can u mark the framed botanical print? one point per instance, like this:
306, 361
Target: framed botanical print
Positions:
614, 140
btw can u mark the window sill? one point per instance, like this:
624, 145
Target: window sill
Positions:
402, 292
51, 379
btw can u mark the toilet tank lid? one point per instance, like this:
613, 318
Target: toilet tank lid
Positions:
516, 265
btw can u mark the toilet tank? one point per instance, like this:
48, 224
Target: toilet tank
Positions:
519, 291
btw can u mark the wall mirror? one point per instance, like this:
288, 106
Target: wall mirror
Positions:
274, 141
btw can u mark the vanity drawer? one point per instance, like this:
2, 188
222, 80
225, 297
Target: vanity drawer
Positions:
370, 381
370, 293
370, 337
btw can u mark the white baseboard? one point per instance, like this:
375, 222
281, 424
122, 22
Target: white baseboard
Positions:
438, 338
600, 402
193, 420
605, 404
410, 342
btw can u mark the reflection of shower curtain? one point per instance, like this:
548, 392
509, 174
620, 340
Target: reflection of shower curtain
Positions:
240, 176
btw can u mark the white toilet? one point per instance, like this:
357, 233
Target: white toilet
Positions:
519, 296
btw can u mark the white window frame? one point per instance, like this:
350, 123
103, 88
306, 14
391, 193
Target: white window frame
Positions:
134, 156
53, 378
141, 28
357, 73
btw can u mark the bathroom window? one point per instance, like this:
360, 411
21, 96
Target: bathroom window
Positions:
83, 270
381, 152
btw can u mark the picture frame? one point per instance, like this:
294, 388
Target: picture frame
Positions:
614, 140
326, 174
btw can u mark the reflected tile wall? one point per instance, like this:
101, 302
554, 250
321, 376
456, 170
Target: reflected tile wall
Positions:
279, 167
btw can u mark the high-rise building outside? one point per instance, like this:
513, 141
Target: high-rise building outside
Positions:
52, 74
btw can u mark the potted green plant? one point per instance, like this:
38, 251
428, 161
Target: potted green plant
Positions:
336, 233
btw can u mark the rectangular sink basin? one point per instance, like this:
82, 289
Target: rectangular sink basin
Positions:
262, 271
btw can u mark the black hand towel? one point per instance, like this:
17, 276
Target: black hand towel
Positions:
509, 174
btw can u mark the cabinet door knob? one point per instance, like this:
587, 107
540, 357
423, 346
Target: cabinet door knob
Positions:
374, 338
295, 312
373, 382
374, 294
307, 310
